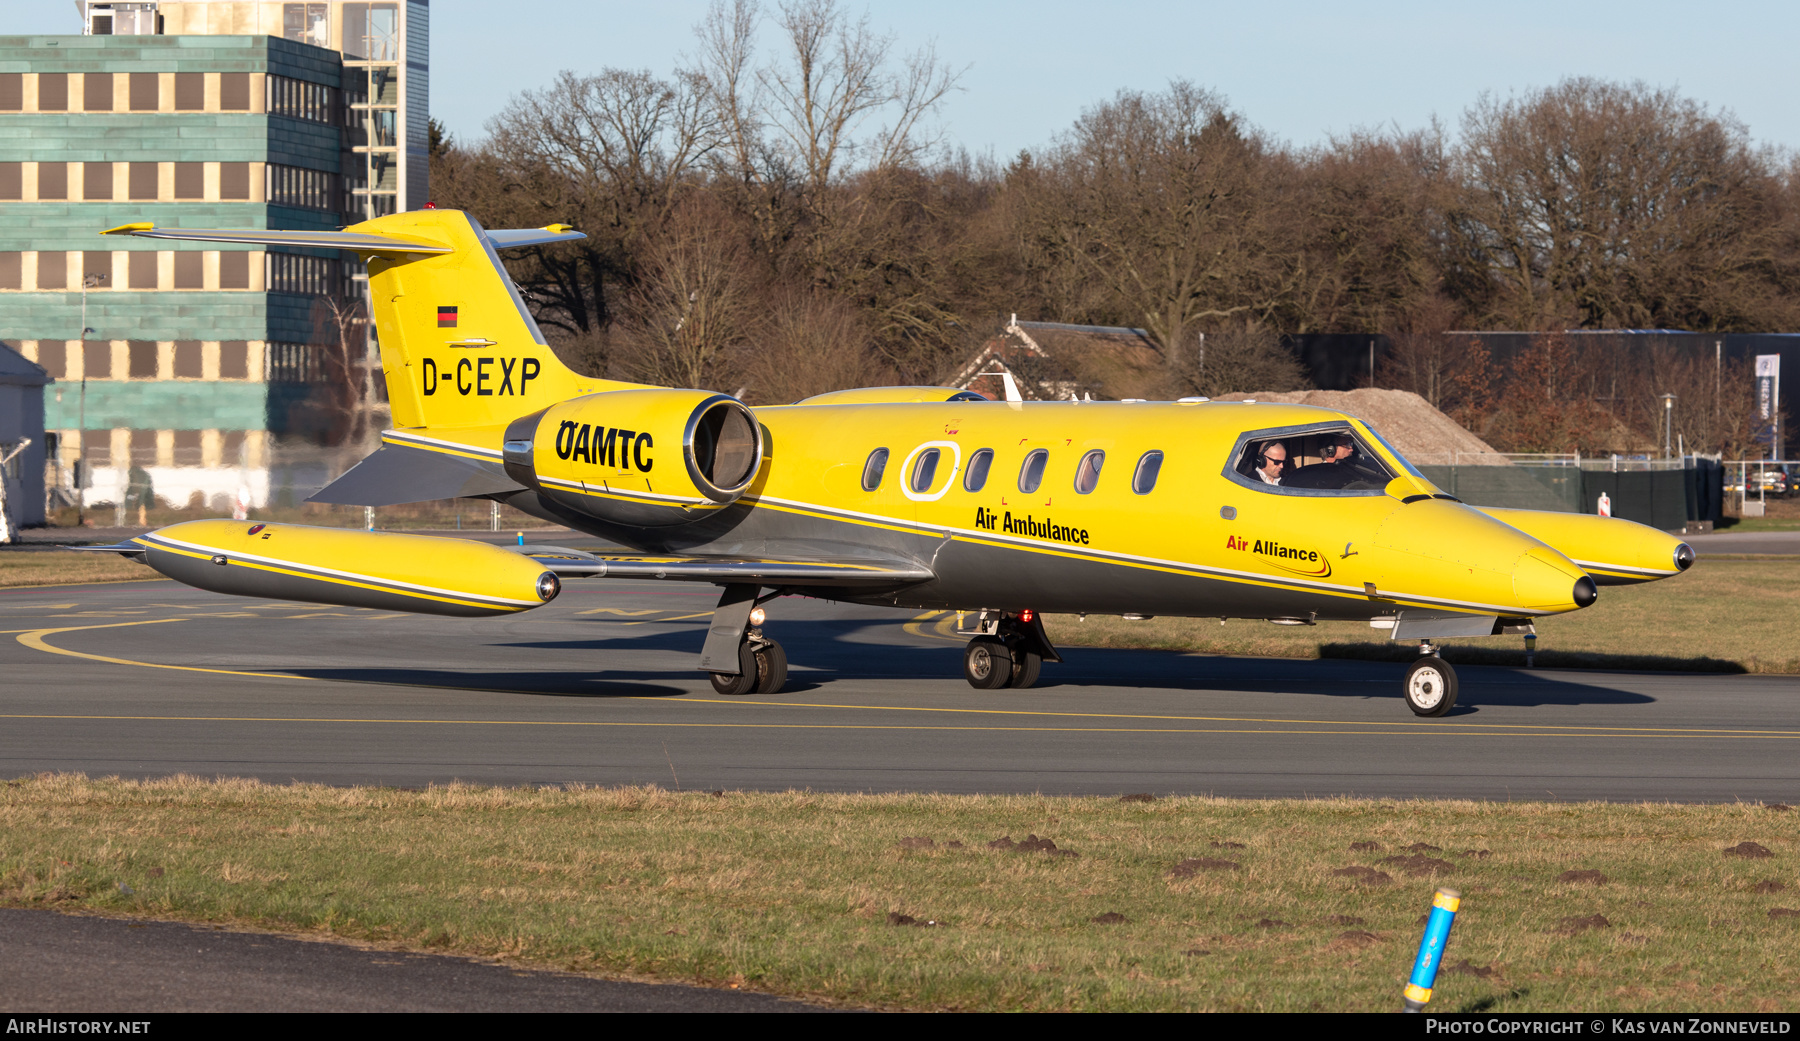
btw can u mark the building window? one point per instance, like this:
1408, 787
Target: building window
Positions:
12, 92
12, 269
142, 269
96, 92
97, 181
96, 360
53, 180
96, 446
234, 360
141, 181
190, 180
292, 363
53, 356
143, 446
188, 364
143, 359
97, 265
53, 92
306, 23
371, 31
12, 180
293, 273
53, 270
294, 186
190, 91
190, 269
234, 180
187, 448
299, 99
146, 93
234, 91
234, 269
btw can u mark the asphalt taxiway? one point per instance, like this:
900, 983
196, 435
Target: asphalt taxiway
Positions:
600, 687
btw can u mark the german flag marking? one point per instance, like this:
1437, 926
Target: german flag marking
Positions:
446, 317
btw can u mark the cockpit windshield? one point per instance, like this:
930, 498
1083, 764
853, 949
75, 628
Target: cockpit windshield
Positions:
1332, 458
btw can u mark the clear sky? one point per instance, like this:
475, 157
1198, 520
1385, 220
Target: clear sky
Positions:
1300, 70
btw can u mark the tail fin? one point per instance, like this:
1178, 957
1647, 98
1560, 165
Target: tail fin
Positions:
458, 346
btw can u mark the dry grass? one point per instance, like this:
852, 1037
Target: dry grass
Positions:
1722, 616
792, 893
35, 567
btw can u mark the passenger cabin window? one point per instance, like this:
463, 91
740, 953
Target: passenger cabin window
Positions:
873, 469
1144, 478
975, 477
924, 470
1332, 459
1032, 473
1087, 472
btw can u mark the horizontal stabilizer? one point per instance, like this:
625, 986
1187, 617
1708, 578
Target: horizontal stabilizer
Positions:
355, 241
573, 563
129, 548
397, 474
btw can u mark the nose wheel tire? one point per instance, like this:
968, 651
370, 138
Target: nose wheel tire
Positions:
762, 669
988, 664
1430, 686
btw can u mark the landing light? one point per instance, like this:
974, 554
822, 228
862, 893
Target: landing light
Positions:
757, 615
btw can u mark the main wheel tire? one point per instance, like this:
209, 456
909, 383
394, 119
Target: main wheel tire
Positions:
1025, 668
745, 681
771, 668
1430, 686
987, 664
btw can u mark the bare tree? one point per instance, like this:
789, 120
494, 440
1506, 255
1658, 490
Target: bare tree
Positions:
1604, 205
1239, 356
692, 310
1165, 199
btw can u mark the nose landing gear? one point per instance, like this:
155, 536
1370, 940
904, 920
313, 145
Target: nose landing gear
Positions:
1008, 650
1430, 684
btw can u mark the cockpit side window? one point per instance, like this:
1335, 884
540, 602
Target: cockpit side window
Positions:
1327, 459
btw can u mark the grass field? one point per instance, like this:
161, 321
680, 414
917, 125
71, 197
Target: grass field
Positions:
1728, 615
1287, 907
37, 567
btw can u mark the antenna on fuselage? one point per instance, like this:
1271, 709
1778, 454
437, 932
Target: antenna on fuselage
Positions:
1012, 388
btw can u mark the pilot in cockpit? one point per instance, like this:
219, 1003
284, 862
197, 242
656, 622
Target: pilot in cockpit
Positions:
1271, 461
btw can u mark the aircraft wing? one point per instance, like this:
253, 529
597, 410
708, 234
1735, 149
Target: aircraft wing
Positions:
418, 472
574, 563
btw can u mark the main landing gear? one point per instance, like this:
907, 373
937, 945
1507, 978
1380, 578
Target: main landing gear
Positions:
737, 656
1430, 684
1009, 650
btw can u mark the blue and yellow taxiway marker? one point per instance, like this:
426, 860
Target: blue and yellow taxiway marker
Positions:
1431, 949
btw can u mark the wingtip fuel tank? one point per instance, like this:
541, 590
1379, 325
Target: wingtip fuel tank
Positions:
351, 568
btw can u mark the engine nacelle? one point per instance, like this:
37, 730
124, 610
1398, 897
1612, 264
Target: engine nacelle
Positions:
649, 458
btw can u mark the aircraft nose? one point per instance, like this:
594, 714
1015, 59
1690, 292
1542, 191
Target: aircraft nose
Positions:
1586, 592
1684, 557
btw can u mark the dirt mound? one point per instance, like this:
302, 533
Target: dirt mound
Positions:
1783, 912
1110, 918
1407, 421
1464, 968
1749, 851
1768, 886
1365, 875
896, 918
1365, 847
1576, 923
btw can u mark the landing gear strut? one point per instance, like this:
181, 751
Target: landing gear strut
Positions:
1430, 684
738, 657
1008, 651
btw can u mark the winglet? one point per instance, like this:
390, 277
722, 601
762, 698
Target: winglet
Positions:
558, 229
130, 229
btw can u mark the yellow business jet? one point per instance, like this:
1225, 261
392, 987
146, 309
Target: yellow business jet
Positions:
915, 497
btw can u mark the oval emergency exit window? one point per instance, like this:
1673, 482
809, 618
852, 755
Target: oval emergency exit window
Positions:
924, 470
